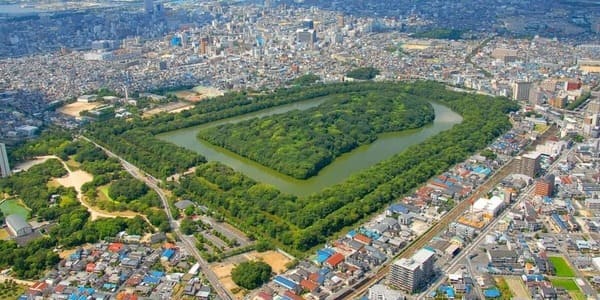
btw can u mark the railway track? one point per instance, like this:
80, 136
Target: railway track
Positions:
361, 287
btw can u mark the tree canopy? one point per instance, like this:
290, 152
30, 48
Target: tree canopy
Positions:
300, 143
251, 274
365, 73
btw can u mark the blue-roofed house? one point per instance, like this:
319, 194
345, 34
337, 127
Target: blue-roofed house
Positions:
151, 280
167, 255
397, 208
324, 254
285, 282
351, 234
157, 274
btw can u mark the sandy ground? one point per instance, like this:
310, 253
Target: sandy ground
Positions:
181, 109
419, 227
19, 281
198, 93
170, 108
28, 164
73, 109
591, 69
275, 259
223, 272
4, 235
515, 283
414, 46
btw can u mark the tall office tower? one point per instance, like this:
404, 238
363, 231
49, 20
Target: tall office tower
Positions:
148, 6
412, 274
4, 167
521, 90
308, 24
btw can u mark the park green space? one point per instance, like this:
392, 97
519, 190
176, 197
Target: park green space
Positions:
561, 266
14, 206
565, 283
299, 143
299, 222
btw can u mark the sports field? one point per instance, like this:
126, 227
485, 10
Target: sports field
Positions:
14, 206
562, 267
565, 283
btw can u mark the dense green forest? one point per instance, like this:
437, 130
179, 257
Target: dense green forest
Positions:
300, 143
299, 223
365, 73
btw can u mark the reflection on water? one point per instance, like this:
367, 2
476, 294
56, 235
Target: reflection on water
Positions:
360, 158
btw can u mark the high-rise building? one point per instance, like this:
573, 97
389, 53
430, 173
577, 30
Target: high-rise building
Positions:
149, 6
530, 164
204, 45
4, 167
412, 274
545, 186
521, 90
308, 24
306, 36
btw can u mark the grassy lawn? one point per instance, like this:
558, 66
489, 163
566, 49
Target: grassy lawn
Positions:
11, 290
562, 267
540, 128
73, 165
565, 283
104, 193
577, 295
503, 287
14, 206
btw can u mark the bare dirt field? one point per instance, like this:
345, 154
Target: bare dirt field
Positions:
223, 272
169, 108
198, 93
73, 109
276, 260
419, 227
415, 46
591, 69
28, 164
517, 288
4, 235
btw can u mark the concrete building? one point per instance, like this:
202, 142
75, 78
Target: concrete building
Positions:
521, 90
412, 274
545, 186
4, 166
529, 164
17, 226
306, 36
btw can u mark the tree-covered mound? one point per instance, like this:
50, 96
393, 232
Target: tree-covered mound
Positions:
300, 143
299, 223
251, 274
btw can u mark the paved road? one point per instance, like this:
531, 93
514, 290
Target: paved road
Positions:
189, 244
469, 249
361, 287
